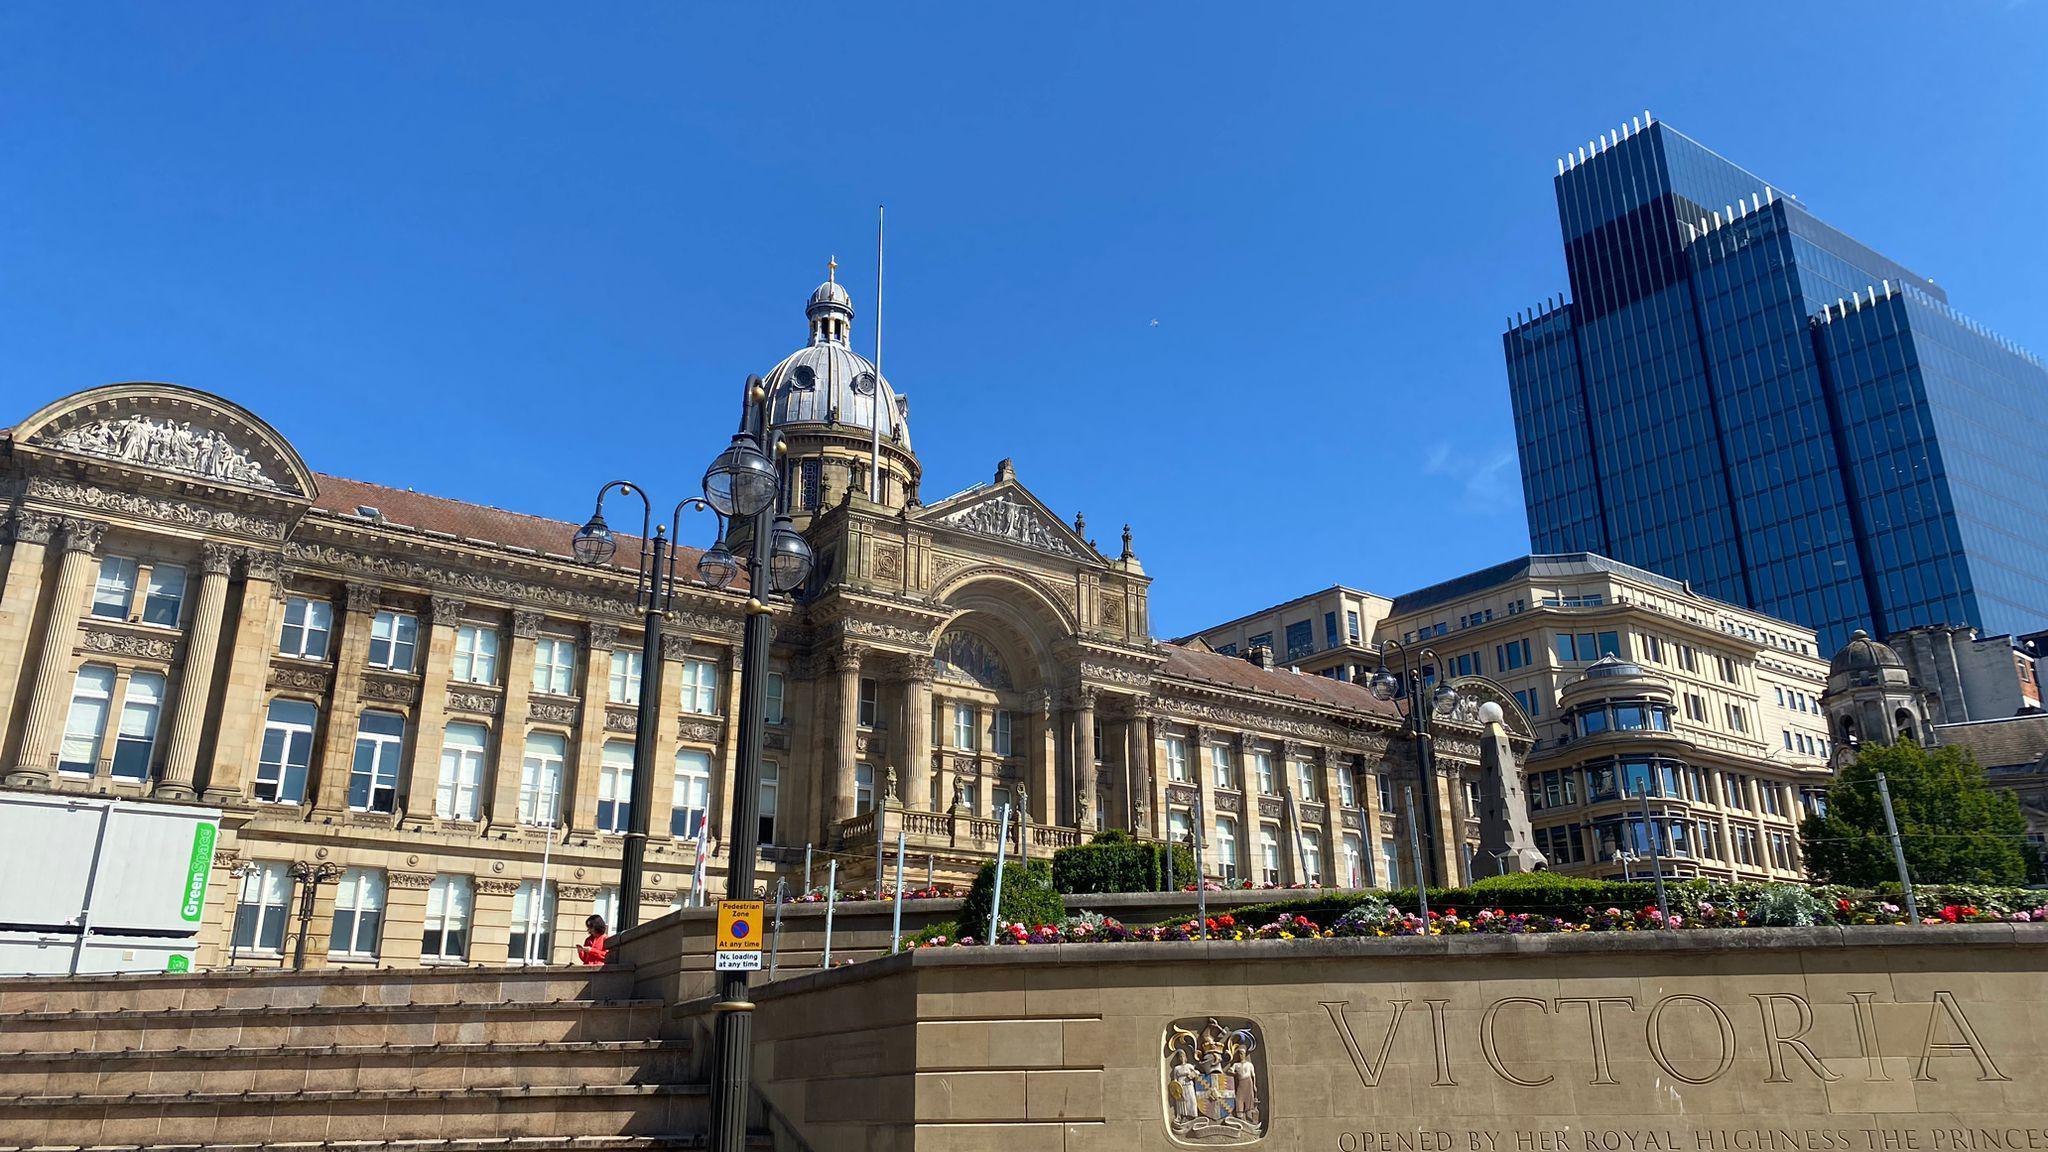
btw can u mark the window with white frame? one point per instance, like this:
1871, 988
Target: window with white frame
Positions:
358, 914
700, 687
607, 905
1226, 847
767, 800
1003, 743
863, 787
260, 910
373, 776
476, 655
92, 697
777, 685
1179, 827
1222, 773
1384, 785
1177, 760
113, 592
1312, 857
141, 704
554, 665
287, 751
1262, 765
1354, 861
533, 924
163, 595
305, 628
615, 787
693, 792
1347, 787
1305, 779
445, 933
540, 779
624, 685
963, 727
393, 638
462, 771
1269, 853
1390, 863
870, 701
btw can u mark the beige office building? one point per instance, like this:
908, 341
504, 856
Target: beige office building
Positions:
1633, 682
422, 711
1329, 633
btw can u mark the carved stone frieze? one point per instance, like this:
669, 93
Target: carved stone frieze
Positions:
944, 566
496, 887
888, 562
603, 636
575, 600
1352, 819
446, 609
577, 891
409, 879
885, 631
259, 565
526, 623
1180, 794
551, 712
776, 740
621, 719
699, 730
1115, 674
966, 766
390, 689
1006, 518
1229, 802
1269, 808
179, 512
141, 646
299, 677
472, 700
1312, 813
161, 442
731, 627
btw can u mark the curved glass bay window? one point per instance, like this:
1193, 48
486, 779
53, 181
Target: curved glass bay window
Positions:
1602, 717
1629, 776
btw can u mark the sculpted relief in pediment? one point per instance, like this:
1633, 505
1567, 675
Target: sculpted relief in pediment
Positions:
161, 442
1008, 518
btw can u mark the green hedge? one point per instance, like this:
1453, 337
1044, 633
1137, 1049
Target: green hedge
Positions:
1114, 862
1028, 898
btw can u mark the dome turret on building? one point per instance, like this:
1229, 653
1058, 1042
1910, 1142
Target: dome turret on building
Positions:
1871, 696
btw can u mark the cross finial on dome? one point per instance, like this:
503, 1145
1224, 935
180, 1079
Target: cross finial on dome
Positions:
832, 270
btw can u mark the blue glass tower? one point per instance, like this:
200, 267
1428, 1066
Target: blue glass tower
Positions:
1741, 396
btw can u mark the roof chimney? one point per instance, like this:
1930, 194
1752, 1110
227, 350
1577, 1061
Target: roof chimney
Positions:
1261, 656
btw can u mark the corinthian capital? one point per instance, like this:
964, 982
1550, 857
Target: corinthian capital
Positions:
82, 535
32, 527
216, 559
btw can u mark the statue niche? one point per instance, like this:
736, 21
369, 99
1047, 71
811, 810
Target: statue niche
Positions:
966, 658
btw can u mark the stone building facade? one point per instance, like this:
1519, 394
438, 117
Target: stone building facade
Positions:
417, 710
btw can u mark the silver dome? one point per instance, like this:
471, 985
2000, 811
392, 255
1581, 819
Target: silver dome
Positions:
816, 384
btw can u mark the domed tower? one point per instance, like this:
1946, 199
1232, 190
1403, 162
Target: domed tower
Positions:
836, 413
1871, 696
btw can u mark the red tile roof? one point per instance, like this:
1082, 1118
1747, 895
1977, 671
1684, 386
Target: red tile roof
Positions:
1237, 672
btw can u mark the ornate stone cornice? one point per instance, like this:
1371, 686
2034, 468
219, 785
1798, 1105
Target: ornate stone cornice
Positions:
448, 579
704, 623
182, 513
888, 633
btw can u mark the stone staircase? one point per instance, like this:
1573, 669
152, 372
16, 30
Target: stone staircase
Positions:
434, 1060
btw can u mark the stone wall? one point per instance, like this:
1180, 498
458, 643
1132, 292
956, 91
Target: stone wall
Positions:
1802, 1040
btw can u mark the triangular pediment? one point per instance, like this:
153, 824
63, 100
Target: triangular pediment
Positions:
1005, 510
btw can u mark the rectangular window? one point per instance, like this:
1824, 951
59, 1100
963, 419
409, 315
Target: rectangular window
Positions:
1179, 827
1737, 719
92, 697
1226, 847
700, 687
607, 903
1312, 857
963, 727
1354, 862
776, 686
445, 934
1262, 768
540, 779
1330, 630
623, 687
1269, 854
462, 772
373, 776
1347, 788
140, 705
870, 701
615, 787
1262, 640
287, 750
1653, 649
1511, 655
1177, 760
693, 793
1305, 779
1003, 747
1385, 787
554, 666
476, 655
305, 628
393, 636
533, 925
259, 912
863, 787
114, 591
1301, 640
767, 800
1695, 708
164, 598
1727, 669
1351, 625
1221, 772
1528, 699
1688, 658
358, 914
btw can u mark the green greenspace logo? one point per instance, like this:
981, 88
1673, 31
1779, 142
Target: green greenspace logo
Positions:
197, 871
178, 964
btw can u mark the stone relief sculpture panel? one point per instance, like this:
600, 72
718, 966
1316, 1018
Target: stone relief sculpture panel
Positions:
164, 443
1213, 1077
1013, 520
967, 658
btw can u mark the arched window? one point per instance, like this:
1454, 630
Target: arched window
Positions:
1903, 721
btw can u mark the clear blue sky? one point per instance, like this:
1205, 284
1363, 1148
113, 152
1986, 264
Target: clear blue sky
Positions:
496, 253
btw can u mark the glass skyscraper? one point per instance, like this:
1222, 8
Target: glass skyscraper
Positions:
1738, 395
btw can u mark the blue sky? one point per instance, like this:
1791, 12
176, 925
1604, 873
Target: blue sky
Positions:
1236, 276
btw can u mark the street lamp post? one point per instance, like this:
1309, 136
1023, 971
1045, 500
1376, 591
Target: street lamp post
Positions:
1420, 705
742, 486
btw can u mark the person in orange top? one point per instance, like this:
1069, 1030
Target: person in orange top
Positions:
592, 950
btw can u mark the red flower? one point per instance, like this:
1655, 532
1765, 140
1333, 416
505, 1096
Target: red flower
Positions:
1227, 921
1951, 913
1841, 905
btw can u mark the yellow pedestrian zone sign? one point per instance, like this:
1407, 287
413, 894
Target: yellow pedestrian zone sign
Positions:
739, 935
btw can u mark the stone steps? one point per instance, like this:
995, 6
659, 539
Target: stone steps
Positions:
664, 1142
325, 987
271, 1026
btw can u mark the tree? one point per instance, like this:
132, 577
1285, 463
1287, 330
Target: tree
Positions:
1955, 828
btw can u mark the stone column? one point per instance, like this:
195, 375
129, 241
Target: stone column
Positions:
337, 751
1205, 787
1138, 768
21, 586
195, 679
1087, 787
719, 834
405, 915
242, 705
586, 747
423, 761
668, 737
917, 732
490, 920
511, 728
36, 764
1450, 824
846, 717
